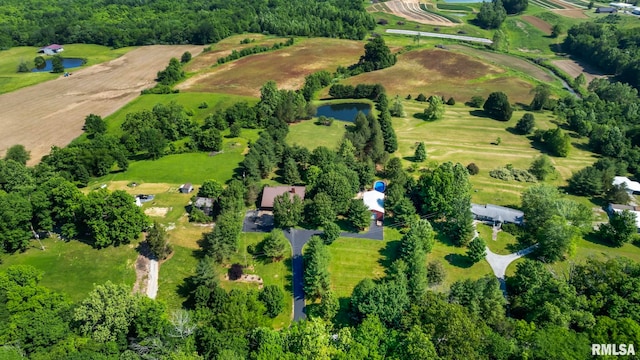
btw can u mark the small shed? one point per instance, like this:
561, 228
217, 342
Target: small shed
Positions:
51, 49
606, 10
269, 194
186, 188
374, 200
204, 204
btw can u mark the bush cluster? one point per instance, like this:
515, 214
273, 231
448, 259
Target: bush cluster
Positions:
509, 173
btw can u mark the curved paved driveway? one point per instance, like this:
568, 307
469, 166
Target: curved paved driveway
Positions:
499, 263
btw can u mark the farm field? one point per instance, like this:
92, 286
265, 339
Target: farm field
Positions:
224, 48
575, 68
509, 62
287, 67
434, 71
411, 9
74, 267
540, 24
465, 138
53, 113
11, 80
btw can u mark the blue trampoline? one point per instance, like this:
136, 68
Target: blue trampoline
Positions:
379, 186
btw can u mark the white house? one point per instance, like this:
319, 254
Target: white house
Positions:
374, 200
51, 49
633, 187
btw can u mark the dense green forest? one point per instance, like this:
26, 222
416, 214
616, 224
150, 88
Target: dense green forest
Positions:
121, 23
611, 48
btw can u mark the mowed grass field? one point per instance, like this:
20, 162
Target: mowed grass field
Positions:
287, 67
434, 71
310, 135
465, 138
74, 267
11, 80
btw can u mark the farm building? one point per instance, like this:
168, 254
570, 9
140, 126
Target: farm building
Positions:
204, 204
606, 10
269, 194
51, 49
374, 200
614, 208
186, 188
621, 6
633, 187
496, 214
636, 11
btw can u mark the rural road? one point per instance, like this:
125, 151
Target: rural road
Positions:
152, 279
441, 36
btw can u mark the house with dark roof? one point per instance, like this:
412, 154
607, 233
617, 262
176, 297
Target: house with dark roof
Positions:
269, 194
497, 214
204, 204
606, 10
51, 49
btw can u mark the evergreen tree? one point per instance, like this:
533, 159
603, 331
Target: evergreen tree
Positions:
526, 124
359, 215
157, 241
275, 245
290, 172
435, 111
331, 233
397, 109
388, 133
316, 268
420, 154
476, 250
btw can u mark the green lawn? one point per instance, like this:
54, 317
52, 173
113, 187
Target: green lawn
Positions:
308, 134
190, 101
463, 137
503, 245
11, 80
272, 273
189, 167
74, 267
172, 275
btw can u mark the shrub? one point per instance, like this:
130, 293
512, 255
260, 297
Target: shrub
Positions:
451, 101
513, 229
186, 57
198, 216
473, 169
409, 97
273, 298
435, 273
509, 173
526, 124
421, 97
235, 271
326, 121
23, 67
383, 22
331, 233
203, 105
476, 101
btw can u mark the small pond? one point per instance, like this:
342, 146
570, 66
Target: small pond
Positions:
68, 63
344, 112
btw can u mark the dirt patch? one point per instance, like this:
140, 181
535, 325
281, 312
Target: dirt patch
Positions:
574, 68
571, 13
287, 67
451, 65
249, 278
157, 211
540, 24
142, 275
52, 113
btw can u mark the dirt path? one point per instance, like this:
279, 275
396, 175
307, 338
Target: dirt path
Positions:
152, 283
52, 113
142, 275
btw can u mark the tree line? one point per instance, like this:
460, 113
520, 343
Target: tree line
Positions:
119, 23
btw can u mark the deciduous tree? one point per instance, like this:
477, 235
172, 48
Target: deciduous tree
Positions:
287, 210
497, 105
275, 245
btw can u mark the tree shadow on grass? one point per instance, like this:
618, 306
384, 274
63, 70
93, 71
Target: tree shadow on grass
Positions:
479, 113
288, 263
343, 317
593, 238
457, 260
389, 253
